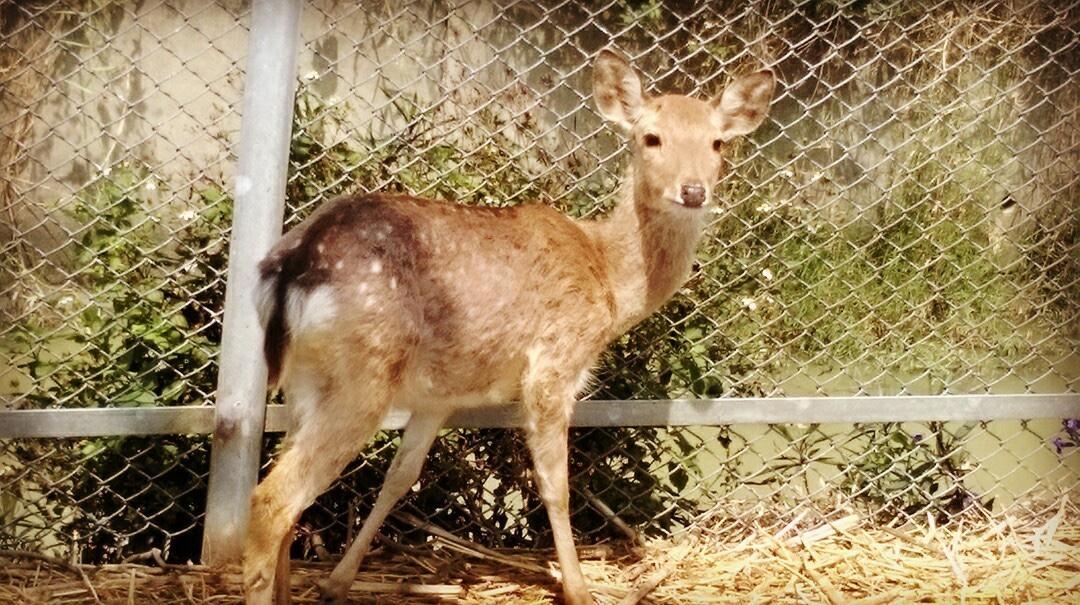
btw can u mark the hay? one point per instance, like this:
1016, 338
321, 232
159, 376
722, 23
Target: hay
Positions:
1003, 560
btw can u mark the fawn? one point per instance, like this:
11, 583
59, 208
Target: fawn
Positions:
377, 301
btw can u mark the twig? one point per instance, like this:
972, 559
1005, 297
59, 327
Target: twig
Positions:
442, 590
321, 552
493, 556
885, 597
1045, 534
792, 525
954, 562
584, 551
650, 584
826, 587
497, 591
397, 547
896, 533
820, 533
613, 517
439, 532
404, 588
464, 546
154, 554
189, 591
22, 554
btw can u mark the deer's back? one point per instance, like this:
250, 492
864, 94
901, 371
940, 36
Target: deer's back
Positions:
455, 297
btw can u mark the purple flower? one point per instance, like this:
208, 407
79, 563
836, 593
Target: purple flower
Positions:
917, 437
1072, 425
1060, 444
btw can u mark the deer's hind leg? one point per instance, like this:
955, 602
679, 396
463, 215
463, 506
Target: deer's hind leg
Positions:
417, 439
334, 419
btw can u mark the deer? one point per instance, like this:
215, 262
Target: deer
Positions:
380, 301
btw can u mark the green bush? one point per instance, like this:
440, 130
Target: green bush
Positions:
144, 322
142, 328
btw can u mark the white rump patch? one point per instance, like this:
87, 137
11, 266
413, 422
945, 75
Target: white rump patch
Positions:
309, 309
264, 299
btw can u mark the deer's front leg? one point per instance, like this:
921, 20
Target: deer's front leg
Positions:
548, 406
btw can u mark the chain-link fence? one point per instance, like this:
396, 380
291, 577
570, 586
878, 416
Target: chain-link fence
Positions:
904, 224
117, 120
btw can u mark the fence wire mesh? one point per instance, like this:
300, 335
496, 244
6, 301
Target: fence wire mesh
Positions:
904, 223
117, 121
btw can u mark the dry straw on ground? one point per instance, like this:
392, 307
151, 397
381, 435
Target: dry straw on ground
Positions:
1010, 559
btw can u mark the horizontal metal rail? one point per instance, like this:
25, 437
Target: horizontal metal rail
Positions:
194, 420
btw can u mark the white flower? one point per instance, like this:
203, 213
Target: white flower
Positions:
311, 75
188, 215
749, 303
764, 207
767, 274
67, 300
150, 185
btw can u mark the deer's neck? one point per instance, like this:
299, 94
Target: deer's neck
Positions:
648, 252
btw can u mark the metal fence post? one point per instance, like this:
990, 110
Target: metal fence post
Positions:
269, 88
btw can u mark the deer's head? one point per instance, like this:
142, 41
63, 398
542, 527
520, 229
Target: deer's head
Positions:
678, 141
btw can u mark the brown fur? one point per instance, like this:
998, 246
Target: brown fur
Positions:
379, 300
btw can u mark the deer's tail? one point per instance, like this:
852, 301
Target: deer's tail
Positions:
270, 303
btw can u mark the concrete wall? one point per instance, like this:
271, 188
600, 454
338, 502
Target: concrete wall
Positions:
161, 84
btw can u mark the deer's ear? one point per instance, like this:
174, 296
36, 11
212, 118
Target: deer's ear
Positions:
744, 103
617, 89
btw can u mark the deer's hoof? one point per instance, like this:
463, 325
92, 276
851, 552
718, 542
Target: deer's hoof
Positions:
332, 593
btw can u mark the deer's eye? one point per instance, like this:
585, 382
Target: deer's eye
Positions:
717, 145
651, 140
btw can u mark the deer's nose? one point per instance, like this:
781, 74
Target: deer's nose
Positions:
693, 194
